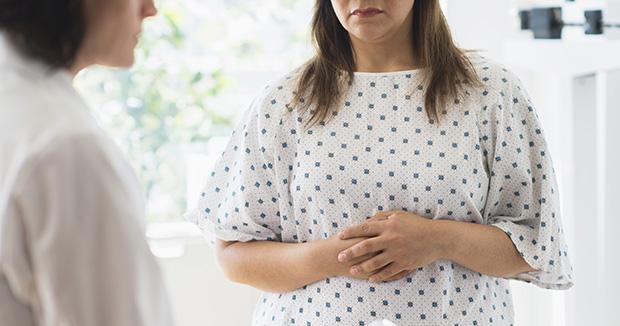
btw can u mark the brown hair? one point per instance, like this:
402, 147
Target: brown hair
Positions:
48, 31
324, 77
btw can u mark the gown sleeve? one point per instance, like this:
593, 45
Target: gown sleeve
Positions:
240, 199
523, 196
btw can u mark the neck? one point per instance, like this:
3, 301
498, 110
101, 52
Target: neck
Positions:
393, 54
81, 62
75, 69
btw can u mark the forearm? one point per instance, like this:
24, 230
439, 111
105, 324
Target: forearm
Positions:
482, 248
271, 266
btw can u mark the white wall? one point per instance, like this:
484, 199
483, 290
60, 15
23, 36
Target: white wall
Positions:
200, 293
482, 24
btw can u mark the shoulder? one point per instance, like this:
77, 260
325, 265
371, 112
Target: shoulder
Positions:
40, 109
271, 104
281, 90
494, 76
44, 124
501, 92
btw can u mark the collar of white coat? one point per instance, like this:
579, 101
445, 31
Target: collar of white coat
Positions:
11, 58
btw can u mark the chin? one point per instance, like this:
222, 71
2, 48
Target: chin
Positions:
367, 35
371, 39
128, 64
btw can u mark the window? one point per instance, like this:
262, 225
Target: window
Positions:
198, 66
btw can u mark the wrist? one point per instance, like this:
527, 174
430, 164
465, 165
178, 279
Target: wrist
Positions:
315, 258
445, 235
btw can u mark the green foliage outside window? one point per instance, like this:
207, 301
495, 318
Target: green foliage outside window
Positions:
184, 88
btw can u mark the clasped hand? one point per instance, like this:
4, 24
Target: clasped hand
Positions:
396, 243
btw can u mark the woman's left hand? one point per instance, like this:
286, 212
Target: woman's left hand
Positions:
405, 241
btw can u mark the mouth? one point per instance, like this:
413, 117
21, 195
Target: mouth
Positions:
366, 12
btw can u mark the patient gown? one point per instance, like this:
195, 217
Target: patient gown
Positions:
485, 161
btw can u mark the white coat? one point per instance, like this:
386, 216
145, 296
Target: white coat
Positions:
72, 244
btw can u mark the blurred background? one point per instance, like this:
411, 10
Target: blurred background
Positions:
200, 63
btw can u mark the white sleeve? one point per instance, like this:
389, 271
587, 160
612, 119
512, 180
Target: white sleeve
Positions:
523, 198
240, 201
90, 260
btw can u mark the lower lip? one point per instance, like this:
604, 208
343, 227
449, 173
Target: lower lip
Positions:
368, 14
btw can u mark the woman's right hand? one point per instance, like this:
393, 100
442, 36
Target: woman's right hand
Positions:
328, 257
325, 254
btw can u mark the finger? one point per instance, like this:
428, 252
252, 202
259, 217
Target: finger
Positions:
399, 276
385, 273
360, 249
372, 265
366, 229
362, 259
383, 215
391, 216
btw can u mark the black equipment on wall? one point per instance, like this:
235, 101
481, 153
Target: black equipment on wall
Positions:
547, 23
